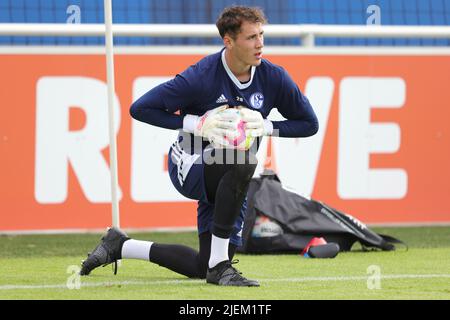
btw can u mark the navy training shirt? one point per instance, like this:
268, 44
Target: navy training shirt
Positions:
210, 83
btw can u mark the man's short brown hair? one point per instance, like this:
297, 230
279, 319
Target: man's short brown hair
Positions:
231, 19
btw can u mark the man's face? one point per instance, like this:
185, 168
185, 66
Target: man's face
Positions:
248, 44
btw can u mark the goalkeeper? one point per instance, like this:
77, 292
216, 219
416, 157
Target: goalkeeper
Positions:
235, 76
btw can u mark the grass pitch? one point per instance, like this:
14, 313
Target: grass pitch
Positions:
45, 266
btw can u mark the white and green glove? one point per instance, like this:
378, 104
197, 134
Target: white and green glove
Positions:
214, 125
255, 124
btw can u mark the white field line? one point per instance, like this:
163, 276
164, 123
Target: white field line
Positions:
191, 281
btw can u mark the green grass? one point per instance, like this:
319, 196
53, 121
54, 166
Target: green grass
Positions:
35, 267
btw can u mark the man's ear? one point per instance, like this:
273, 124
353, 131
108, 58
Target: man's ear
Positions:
228, 41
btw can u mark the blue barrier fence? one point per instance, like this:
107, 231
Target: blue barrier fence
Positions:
391, 12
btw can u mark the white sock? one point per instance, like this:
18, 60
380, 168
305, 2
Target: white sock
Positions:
219, 251
136, 249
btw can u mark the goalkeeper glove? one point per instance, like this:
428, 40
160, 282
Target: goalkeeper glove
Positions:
214, 125
255, 124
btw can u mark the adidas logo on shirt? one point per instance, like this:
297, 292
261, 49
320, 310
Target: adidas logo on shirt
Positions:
222, 99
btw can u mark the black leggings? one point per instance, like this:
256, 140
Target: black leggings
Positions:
185, 260
226, 187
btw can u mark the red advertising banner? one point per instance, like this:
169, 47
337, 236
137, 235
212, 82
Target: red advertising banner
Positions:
382, 153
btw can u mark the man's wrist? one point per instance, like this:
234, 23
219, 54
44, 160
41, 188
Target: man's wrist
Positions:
268, 127
190, 123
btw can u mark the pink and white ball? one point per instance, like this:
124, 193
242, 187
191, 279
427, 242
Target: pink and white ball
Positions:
242, 141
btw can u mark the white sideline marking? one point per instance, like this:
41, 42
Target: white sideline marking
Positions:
190, 281
355, 278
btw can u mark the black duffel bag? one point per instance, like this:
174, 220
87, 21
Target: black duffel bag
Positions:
282, 221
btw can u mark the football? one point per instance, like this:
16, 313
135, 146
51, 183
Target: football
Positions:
242, 141
266, 227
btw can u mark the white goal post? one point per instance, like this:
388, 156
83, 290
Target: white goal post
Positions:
111, 92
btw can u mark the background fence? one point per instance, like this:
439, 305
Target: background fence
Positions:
345, 12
